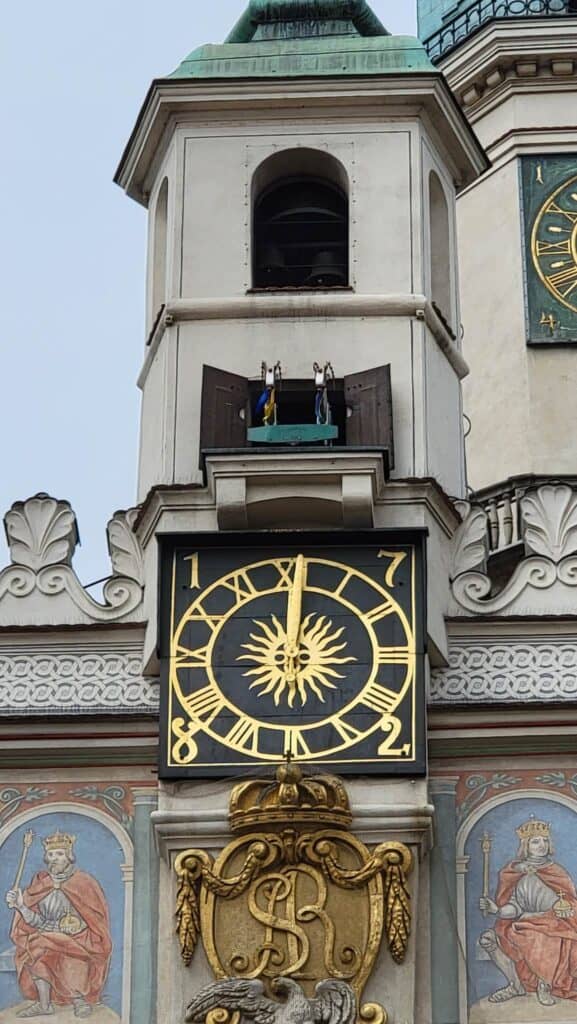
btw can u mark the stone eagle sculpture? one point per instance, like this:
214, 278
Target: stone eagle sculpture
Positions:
334, 1002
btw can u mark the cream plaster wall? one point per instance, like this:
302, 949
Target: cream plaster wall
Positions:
496, 394
519, 398
210, 169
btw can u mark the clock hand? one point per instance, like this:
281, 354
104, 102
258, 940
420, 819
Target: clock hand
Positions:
294, 612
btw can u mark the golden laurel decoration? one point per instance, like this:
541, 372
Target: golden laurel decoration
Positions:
296, 900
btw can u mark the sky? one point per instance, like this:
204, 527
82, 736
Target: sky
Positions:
72, 78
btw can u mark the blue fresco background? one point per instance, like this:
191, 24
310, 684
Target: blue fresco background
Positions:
99, 853
500, 823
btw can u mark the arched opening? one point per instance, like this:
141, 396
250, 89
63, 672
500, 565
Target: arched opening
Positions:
300, 222
159, 251
440, 235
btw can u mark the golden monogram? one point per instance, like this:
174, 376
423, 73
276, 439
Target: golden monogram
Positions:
304, 899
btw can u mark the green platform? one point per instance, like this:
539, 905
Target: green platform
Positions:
293, 433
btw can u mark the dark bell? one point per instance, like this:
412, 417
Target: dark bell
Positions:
272, 264
326, 271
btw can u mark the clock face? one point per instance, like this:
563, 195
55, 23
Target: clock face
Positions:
311, 647
554, 243
549, 197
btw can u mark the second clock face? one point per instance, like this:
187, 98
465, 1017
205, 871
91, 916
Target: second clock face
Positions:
554, 243
549, 194
312, 650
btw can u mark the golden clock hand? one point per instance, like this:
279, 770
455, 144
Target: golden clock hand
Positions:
294, 612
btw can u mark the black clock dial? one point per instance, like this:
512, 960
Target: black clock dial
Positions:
309, 649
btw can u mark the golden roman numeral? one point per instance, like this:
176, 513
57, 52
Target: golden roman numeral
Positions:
244, 734
200, 615
241, 586
554, 248
205, 704
284, 572
186, 658
562, 278
347, 732
378, 698
393, 655
295, 744
346, 579
554, 208
379, 612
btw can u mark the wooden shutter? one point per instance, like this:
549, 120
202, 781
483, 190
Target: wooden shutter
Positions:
370, 409
225, 400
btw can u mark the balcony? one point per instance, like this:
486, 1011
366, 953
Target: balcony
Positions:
463, 25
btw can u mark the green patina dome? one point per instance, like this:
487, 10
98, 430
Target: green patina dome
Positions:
291, 38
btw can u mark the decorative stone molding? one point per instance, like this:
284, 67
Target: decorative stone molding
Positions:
507, 670
469, 548
550, 521
41, 531
545, 583
123, 546
74, 677
507, 55
40, 587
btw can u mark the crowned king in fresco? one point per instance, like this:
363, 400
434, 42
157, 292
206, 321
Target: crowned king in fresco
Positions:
534, 938
61, 933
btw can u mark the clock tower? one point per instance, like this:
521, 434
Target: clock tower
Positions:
300, 181
301, 443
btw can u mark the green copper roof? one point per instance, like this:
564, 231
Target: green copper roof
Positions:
291, 38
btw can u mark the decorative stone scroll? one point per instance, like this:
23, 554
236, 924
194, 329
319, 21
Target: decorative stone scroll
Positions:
40, 587
296, 900
544, 582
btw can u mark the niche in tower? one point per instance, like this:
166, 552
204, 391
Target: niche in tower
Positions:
300, 221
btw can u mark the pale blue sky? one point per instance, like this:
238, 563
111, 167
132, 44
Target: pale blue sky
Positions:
73, 76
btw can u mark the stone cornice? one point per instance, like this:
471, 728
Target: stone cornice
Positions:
306, 305
422, 95
498, 60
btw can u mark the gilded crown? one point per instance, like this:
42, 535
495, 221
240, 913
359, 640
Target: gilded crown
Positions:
59, 841
534, 828
291, 801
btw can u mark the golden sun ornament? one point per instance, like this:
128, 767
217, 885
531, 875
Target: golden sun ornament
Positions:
287, 670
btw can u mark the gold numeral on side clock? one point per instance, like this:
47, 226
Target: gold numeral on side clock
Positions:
194, 577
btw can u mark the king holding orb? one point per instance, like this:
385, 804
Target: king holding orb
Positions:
61, 932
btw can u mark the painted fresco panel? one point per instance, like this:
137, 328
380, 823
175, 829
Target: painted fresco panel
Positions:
517, 901
65, 902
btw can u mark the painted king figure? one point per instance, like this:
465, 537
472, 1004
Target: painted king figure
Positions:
61, 932
534, 941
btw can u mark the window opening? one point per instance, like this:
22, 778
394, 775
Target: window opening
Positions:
301, 235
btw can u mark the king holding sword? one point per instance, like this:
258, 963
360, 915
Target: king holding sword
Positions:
61, 932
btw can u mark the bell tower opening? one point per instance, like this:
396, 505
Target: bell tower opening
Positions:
300, 222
